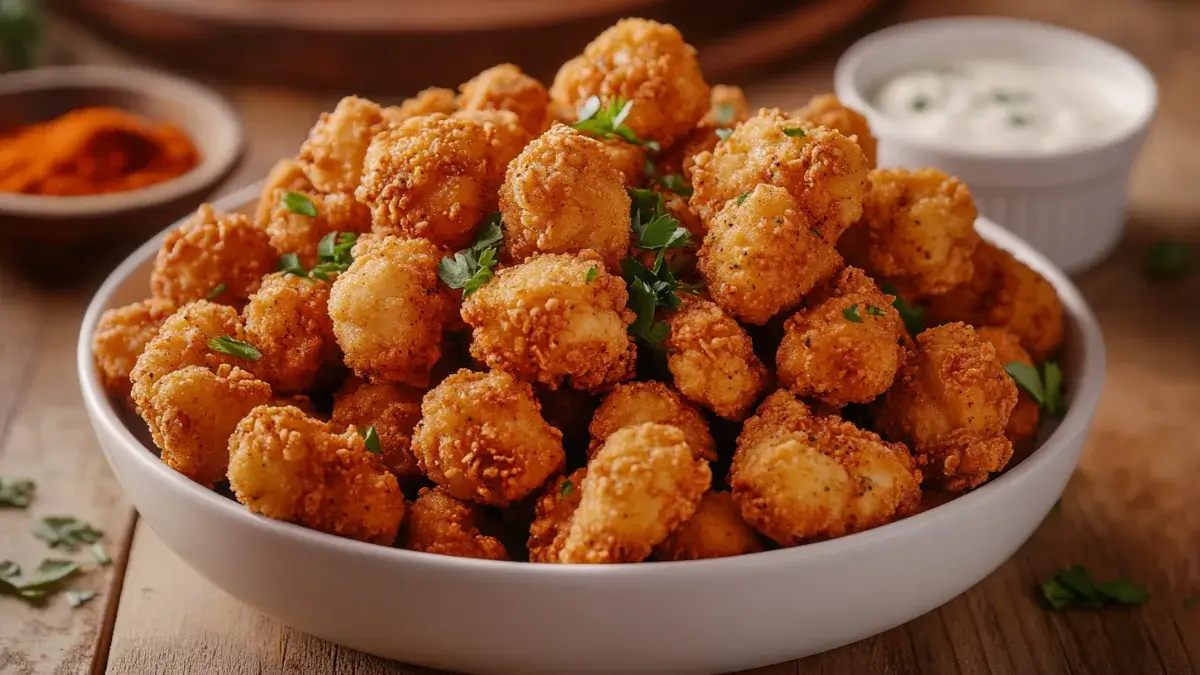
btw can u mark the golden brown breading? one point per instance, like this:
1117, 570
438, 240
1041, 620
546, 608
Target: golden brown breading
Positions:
435, 176
508, 139
715, 530
439, 523
393, 409
482, 436
713, 360
636, 403
552, 516
798, 477
286, 175
545, 321
562, 194
426, 102
212, 251
121, 335
289, 466
627, 158
645, 62
642, 485
1022, 424
951, 403
182, 341
846, 346
826, 110
762, 255
192, 413
387, 310
505, 87
825, 172
727, 105
917, 232
292, 232
332, 156
287, 319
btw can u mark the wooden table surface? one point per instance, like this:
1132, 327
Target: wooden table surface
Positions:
1130, 510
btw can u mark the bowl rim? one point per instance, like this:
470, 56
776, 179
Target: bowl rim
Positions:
872, 45
995, 492
212, 167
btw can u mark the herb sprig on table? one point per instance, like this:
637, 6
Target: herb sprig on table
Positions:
1074, 587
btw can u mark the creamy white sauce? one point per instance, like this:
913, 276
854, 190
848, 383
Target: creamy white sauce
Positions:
993, 105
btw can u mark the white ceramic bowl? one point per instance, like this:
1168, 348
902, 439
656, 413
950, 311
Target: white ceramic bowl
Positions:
690, 617
1070, 204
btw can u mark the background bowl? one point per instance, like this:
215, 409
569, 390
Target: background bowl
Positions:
707, 616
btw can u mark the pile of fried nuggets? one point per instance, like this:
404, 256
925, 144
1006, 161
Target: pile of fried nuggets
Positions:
381, 380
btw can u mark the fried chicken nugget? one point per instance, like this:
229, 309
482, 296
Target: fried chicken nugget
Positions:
846, 346
562, 194
951, 404
917, 232
288, 466
825, 172
293, 232
798, 477
505, 87
388, 310
439, 523
727, 107
715, 530
483, 438
287, 319
713, 360
332, 156
643, 484
182, 341
552, 516
426, 102
636, 403
645, 62
826, 110
122, 335
552, 318
1022, 424
393, 409
762, 255
286, 175
213, 255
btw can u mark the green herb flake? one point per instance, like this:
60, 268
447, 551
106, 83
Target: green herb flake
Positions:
724, 113
875, 311
912, 316
1052, 385
16, 493
656, 286
371, 440
217, 290
45, 580
591, 274
79, 598
675, 183
9, 569
851, 313
794, 132
227, 345
567, 487
334, 254
600, 121
290, 263
742, 198
471, 268
1029, 378
1167, 261
99, 554
66, 532
723, 134
299, 203
1075, 588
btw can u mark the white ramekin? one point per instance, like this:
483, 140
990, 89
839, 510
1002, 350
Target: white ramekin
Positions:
1070, 205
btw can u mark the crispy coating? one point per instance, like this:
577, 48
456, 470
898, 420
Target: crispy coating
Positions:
387, 310
636, 403
482, 436
332, 156
826, 110
563, 194
825, 172
505, 87
798, 477
917, 232
287, 319
435, 176
951, 404
628, 158
297, 233
182, 341
1022, 424
1005, 292
211, 250
121, 335
552, 516
286, 175
713, 360
192, 413
645, 62
727, 105
846, 346
426, 102
393, 409
544, 321
289, 466
439, 523
762, 255
715, 530
642, 485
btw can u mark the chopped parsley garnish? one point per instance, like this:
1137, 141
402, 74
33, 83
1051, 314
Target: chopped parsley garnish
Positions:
290, 263
1167, 261
16, 493
99, 554
724, 113
794, 132
816, 232
66, 532
656, 286
217, 290
78, 598
742, 198
912, 316
675, 183
44, 580
471, 268
723, 134
371, 440
875, 311
227, 345
1075, 588
334, 254
1044, 385
591, 274
567, 487
299, 203
851, 313
601, 122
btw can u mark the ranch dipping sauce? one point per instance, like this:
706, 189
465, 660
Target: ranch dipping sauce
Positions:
1006, 106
